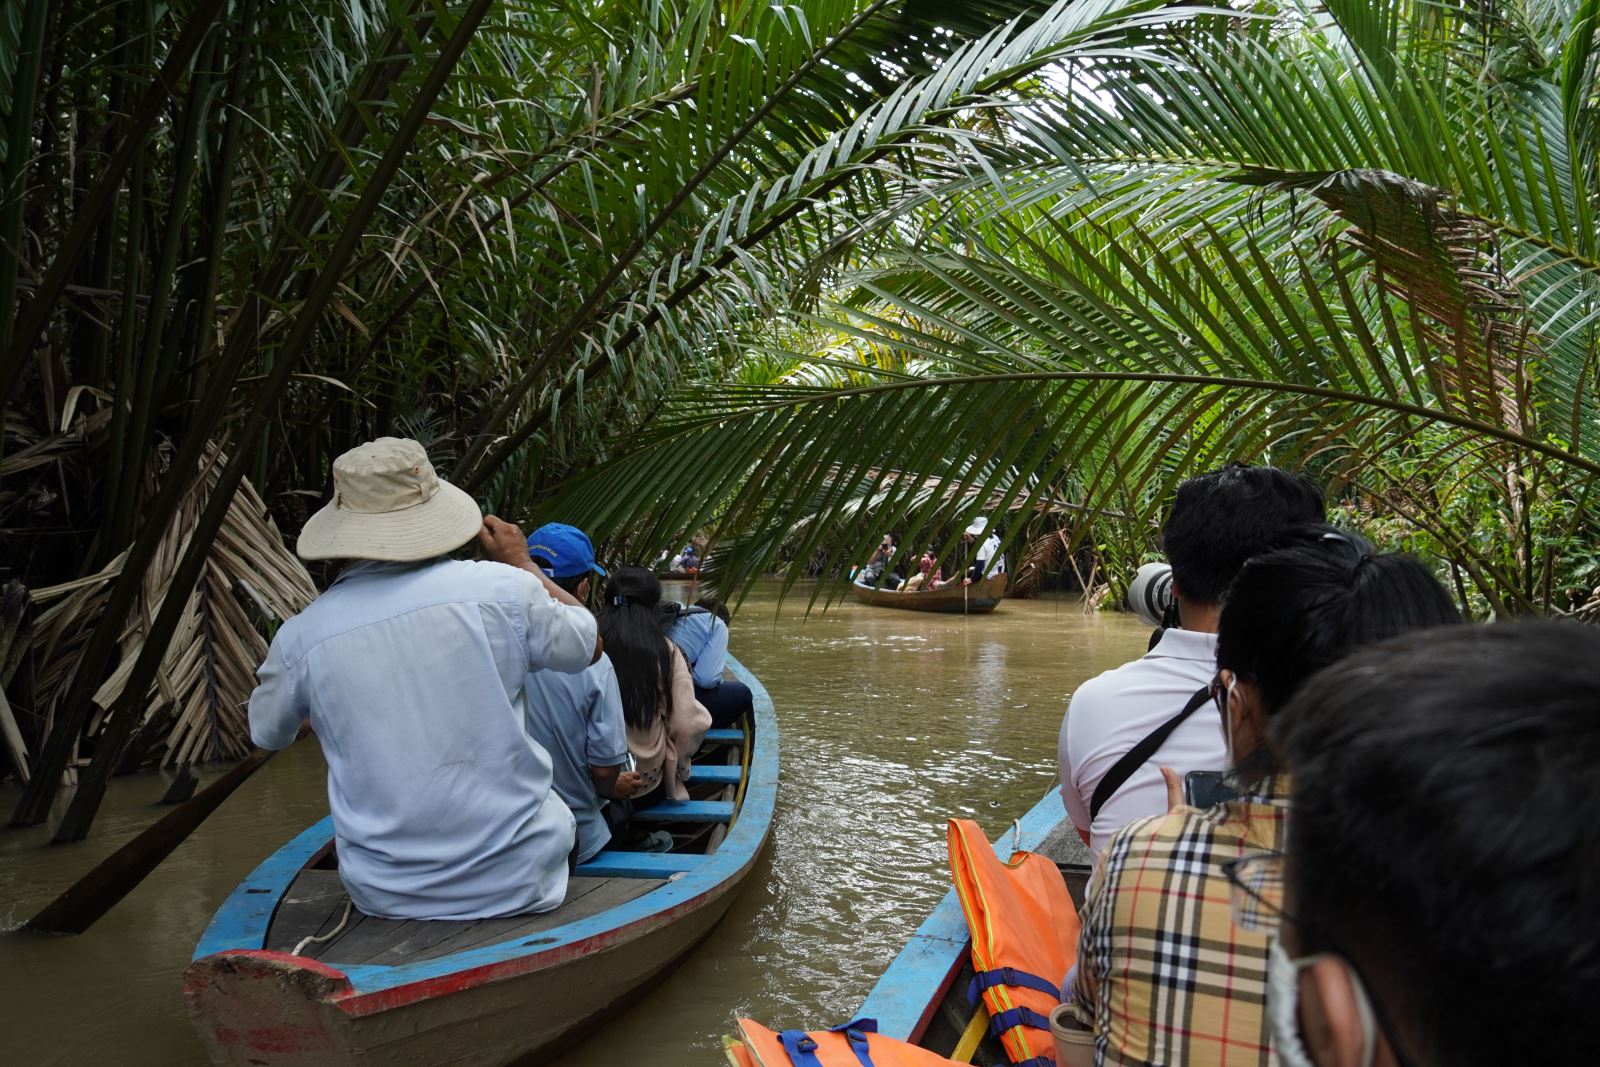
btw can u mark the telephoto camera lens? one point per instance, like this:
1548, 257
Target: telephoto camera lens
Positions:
1150, 593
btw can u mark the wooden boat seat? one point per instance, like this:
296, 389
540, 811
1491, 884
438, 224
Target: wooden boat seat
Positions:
726, 736
719, 773
316, 902
640, 864
687, 811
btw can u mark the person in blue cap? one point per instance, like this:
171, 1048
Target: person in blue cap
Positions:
578, 717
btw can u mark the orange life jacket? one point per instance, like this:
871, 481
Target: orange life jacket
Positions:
1024, 938
855, 1044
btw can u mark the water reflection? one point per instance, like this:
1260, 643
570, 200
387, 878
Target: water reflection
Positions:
892, 721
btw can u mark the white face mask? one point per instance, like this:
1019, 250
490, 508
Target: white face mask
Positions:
1283, 1009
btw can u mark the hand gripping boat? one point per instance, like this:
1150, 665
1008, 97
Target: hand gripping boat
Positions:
288, 974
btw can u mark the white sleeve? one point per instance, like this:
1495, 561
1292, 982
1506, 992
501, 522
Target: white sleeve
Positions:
560, 636
277, 707
1071, 796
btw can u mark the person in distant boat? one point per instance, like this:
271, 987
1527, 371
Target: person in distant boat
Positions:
925, 574
412, 669
577, 718
1460, 768
1164, 974
665, 723
701, 634
986, 564
687, 560
874, 572
1218, 520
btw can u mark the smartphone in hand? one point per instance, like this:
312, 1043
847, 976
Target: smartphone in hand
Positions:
1203, 789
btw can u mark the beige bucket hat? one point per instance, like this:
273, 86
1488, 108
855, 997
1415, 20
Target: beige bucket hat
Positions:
389, 504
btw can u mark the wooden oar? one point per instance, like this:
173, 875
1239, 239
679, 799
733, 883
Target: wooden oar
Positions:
114, 877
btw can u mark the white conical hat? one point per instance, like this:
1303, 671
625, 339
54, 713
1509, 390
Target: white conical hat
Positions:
389, 504
977, 526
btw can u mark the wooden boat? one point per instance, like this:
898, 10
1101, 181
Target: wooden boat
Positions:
492, 991
979, 598
679, 576
922, 997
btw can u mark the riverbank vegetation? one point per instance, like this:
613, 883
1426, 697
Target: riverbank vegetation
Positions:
788, 274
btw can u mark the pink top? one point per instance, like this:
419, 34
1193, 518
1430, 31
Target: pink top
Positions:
674, 737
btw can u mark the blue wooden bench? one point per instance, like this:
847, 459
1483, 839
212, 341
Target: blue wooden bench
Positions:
687, 811
639, 865
721, 773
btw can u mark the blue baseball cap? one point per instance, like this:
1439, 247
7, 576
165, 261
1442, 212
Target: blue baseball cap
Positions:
565, 551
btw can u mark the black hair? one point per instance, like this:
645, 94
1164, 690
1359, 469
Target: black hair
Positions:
571, 582
1445, 836
1296, 609
1222, 518
716, 607
640, 653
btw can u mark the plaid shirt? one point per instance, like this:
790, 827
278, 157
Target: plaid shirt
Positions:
1177, 982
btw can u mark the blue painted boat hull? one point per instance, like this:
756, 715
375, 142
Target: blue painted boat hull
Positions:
908, 998
511, 1001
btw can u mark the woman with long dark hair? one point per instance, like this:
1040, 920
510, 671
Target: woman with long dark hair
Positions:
665, 723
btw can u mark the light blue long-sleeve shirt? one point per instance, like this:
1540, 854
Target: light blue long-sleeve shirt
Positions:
577, 718
413, 677
702, 637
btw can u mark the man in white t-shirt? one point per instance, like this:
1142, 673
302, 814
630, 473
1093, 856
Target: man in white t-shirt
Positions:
986, 564
1218, 520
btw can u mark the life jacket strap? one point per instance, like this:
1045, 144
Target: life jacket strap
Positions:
1009, 976
802, 1049
1008, 1020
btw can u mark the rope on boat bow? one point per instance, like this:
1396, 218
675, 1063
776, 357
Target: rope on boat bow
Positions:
329, 936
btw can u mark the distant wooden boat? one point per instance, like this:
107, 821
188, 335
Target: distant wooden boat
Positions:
492, 991
922, 997
678, 576
976, 599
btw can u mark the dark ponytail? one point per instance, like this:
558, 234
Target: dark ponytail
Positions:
1310, 602
639, 652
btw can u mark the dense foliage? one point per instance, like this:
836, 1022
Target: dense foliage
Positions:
1354, 237
787, 273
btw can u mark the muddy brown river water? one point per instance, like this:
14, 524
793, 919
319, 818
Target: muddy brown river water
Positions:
891, 722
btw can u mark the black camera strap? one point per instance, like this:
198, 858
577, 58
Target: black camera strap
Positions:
1140, 754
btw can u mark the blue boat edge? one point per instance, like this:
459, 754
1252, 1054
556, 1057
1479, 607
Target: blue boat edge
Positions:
243, 919
909, 991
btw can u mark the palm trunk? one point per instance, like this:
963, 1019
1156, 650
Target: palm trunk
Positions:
91, 787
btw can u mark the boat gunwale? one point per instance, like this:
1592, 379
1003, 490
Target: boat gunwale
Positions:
982, 596
906, 996
246, 915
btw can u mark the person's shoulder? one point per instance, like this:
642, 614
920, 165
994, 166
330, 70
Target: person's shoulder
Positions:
1096, 693
1155, 840
600, 672
487, 579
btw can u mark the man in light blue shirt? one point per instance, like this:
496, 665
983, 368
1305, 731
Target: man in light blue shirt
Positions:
412, 670
701, 634
577, 718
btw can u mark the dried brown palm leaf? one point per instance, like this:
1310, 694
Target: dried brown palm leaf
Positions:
209, 666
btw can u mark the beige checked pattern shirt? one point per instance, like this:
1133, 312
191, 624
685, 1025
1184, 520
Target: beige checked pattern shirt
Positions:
1163, 974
